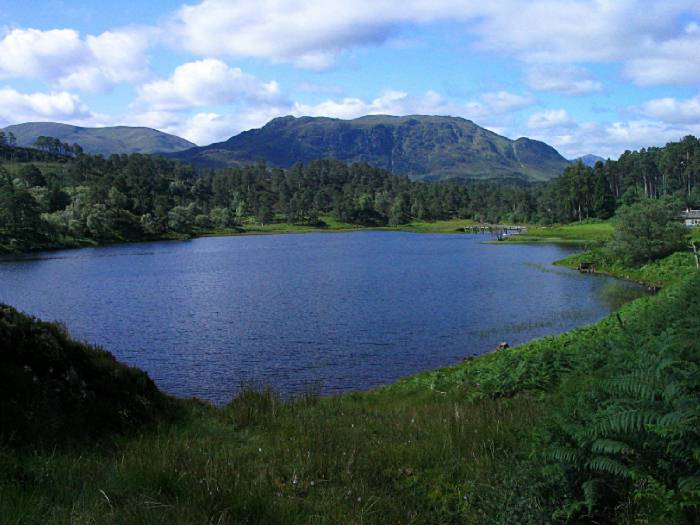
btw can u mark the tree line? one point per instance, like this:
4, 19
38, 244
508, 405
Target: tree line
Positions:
55, 146
132, 197
584, 192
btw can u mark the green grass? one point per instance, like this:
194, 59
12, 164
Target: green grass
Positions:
656, 273
575, 233
357, 459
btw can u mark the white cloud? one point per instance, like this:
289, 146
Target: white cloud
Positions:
497, 103
609, 139
551, 118
567, 80
646, 37
63, 58
113, 57
16, 107
205, 83
39, 54
393, 102
673, 110
675, 61
643, 133
309, 34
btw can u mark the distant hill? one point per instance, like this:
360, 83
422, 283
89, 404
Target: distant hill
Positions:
422, 147
102, 141
589, 160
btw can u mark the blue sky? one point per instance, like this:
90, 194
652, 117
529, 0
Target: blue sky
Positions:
585, 76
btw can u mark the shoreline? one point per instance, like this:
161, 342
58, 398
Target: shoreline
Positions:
442, 227
438, 227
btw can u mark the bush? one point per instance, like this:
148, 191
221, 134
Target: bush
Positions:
54, 390
647, 230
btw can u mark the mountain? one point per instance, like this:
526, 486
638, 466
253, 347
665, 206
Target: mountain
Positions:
589, 160
103, 141
422, 147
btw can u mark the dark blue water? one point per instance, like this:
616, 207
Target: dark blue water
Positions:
342, 311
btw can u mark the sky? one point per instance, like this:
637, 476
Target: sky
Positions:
585, 76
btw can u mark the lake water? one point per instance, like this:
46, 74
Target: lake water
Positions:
334, 312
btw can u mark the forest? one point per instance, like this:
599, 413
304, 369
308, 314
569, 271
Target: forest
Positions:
57, 196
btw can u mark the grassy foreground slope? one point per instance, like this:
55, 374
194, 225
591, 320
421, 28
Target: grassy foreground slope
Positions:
479, 442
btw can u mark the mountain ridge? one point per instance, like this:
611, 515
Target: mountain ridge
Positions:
101, 140
427, 147
589, 159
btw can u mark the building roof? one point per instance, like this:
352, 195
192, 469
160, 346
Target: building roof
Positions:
691, 214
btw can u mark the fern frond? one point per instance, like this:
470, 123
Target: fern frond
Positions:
571, 456
610, 446
690, 483
639, 385
675, 418
626, 422
610, 466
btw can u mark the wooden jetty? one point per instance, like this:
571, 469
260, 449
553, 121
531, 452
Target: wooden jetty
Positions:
496, 231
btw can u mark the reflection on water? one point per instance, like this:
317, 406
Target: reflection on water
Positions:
344, 311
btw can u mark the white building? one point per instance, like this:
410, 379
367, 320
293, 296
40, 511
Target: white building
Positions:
691, 217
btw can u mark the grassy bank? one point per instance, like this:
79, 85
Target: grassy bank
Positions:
656, 273
588, 233
329, 224
575, 233
473, 443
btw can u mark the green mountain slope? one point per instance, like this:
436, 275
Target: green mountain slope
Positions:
422, 147
101, 141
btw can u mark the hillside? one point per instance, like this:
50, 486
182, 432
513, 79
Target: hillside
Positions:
101, 141
422, 147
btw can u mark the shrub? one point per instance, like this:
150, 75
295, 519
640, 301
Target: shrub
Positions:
54, 389
647, 230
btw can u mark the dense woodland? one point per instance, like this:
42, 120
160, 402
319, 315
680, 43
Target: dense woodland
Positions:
583, 192
56, 195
